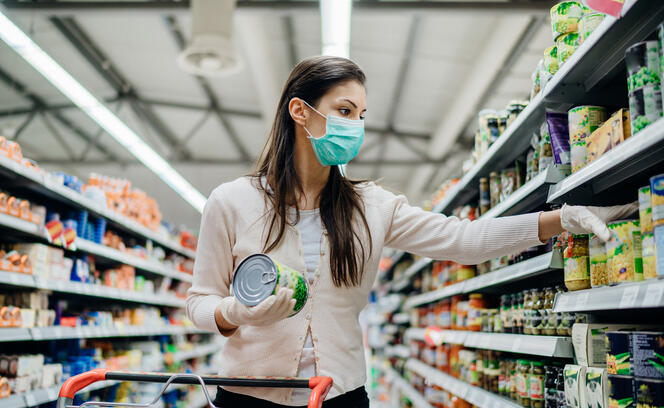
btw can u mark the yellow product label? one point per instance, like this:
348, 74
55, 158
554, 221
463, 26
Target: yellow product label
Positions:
598, 274
577, 268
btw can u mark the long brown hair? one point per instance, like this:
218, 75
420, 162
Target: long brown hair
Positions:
340, 201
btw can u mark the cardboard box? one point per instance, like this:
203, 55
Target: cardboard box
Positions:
589, 343
613, 132
575, 385
597, 388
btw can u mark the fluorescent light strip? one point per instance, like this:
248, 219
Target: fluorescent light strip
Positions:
335, 27
82, 98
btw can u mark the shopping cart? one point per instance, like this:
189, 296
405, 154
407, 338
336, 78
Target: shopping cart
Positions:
320, 386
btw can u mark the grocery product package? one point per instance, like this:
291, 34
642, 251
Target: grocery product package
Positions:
575, 385
647, 356
590, 344
597, 389
559, 133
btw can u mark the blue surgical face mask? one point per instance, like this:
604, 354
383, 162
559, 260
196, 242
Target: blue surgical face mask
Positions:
340, 143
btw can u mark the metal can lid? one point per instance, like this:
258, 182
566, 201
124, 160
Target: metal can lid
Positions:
255, 279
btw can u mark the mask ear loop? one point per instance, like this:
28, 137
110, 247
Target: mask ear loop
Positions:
310, 136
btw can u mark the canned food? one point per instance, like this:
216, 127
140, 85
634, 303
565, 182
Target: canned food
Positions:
648, 354
259, 276
621, 391
549, 65
642, 61
645, 209
649, 255
645, 107
583, 121
649, 393
565, 18
566, 45
657, 199
579, 153
588, 24
598, 269
618, 352
624, 252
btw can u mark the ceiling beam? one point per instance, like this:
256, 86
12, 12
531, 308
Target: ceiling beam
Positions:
82, 42
509, 31
180, 41
40, 104
400, 84
109, 8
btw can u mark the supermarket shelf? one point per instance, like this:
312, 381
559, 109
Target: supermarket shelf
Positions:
597, 61
474, 395
45, 185
413, 270
429, 297
415, 334
617, 166
510, 145
43, 396
18, 224
401, 318
84, 289
531, 267
199, 351
147, 265
93, 248
399, 351
531, 195
406, 389
548, 346
601, 57
87, 332
525, 269
637, 295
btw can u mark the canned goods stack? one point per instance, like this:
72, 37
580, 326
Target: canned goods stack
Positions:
644, 83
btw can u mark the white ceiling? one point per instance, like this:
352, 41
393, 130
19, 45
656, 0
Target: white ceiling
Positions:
143, 50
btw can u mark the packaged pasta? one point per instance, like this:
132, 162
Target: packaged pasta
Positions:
657, 199
598, 268
645, 210
624, 252
649, 255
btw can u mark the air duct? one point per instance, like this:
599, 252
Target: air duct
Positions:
210, 51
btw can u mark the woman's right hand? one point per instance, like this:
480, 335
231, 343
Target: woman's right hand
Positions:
274, 308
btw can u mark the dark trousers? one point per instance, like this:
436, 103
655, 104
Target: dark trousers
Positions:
354, 399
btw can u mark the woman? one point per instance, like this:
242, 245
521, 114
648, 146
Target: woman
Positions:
302, 211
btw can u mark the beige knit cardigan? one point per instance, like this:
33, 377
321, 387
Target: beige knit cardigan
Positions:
233, 227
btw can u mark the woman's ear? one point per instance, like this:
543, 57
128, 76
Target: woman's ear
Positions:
298, 113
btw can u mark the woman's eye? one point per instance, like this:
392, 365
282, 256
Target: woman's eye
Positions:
344, 111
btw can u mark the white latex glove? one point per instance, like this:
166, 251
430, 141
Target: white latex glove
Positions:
272, 309
579, 219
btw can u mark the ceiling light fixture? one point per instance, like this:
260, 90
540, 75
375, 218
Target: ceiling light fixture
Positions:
81, 97
210, 51
335, 27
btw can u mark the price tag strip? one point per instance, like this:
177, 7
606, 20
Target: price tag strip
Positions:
629, 297
654, 293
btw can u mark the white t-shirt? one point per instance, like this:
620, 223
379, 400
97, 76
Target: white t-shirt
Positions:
311, 233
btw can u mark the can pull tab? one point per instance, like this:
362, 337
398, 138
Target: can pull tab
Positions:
268, 277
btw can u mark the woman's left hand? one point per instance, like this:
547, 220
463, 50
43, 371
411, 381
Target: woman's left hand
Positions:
584, 220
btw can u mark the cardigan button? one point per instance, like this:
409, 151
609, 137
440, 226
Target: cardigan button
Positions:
308, 317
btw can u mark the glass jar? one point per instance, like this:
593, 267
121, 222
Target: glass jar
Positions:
577, 262
506, 313
549, 318
503, 377
522, 373
514, 309
550, 387
513, 391
536, 385
527, 311
476, 305
538, 313
492, 372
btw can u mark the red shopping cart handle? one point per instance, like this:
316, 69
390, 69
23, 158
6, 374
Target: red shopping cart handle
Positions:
320, 386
